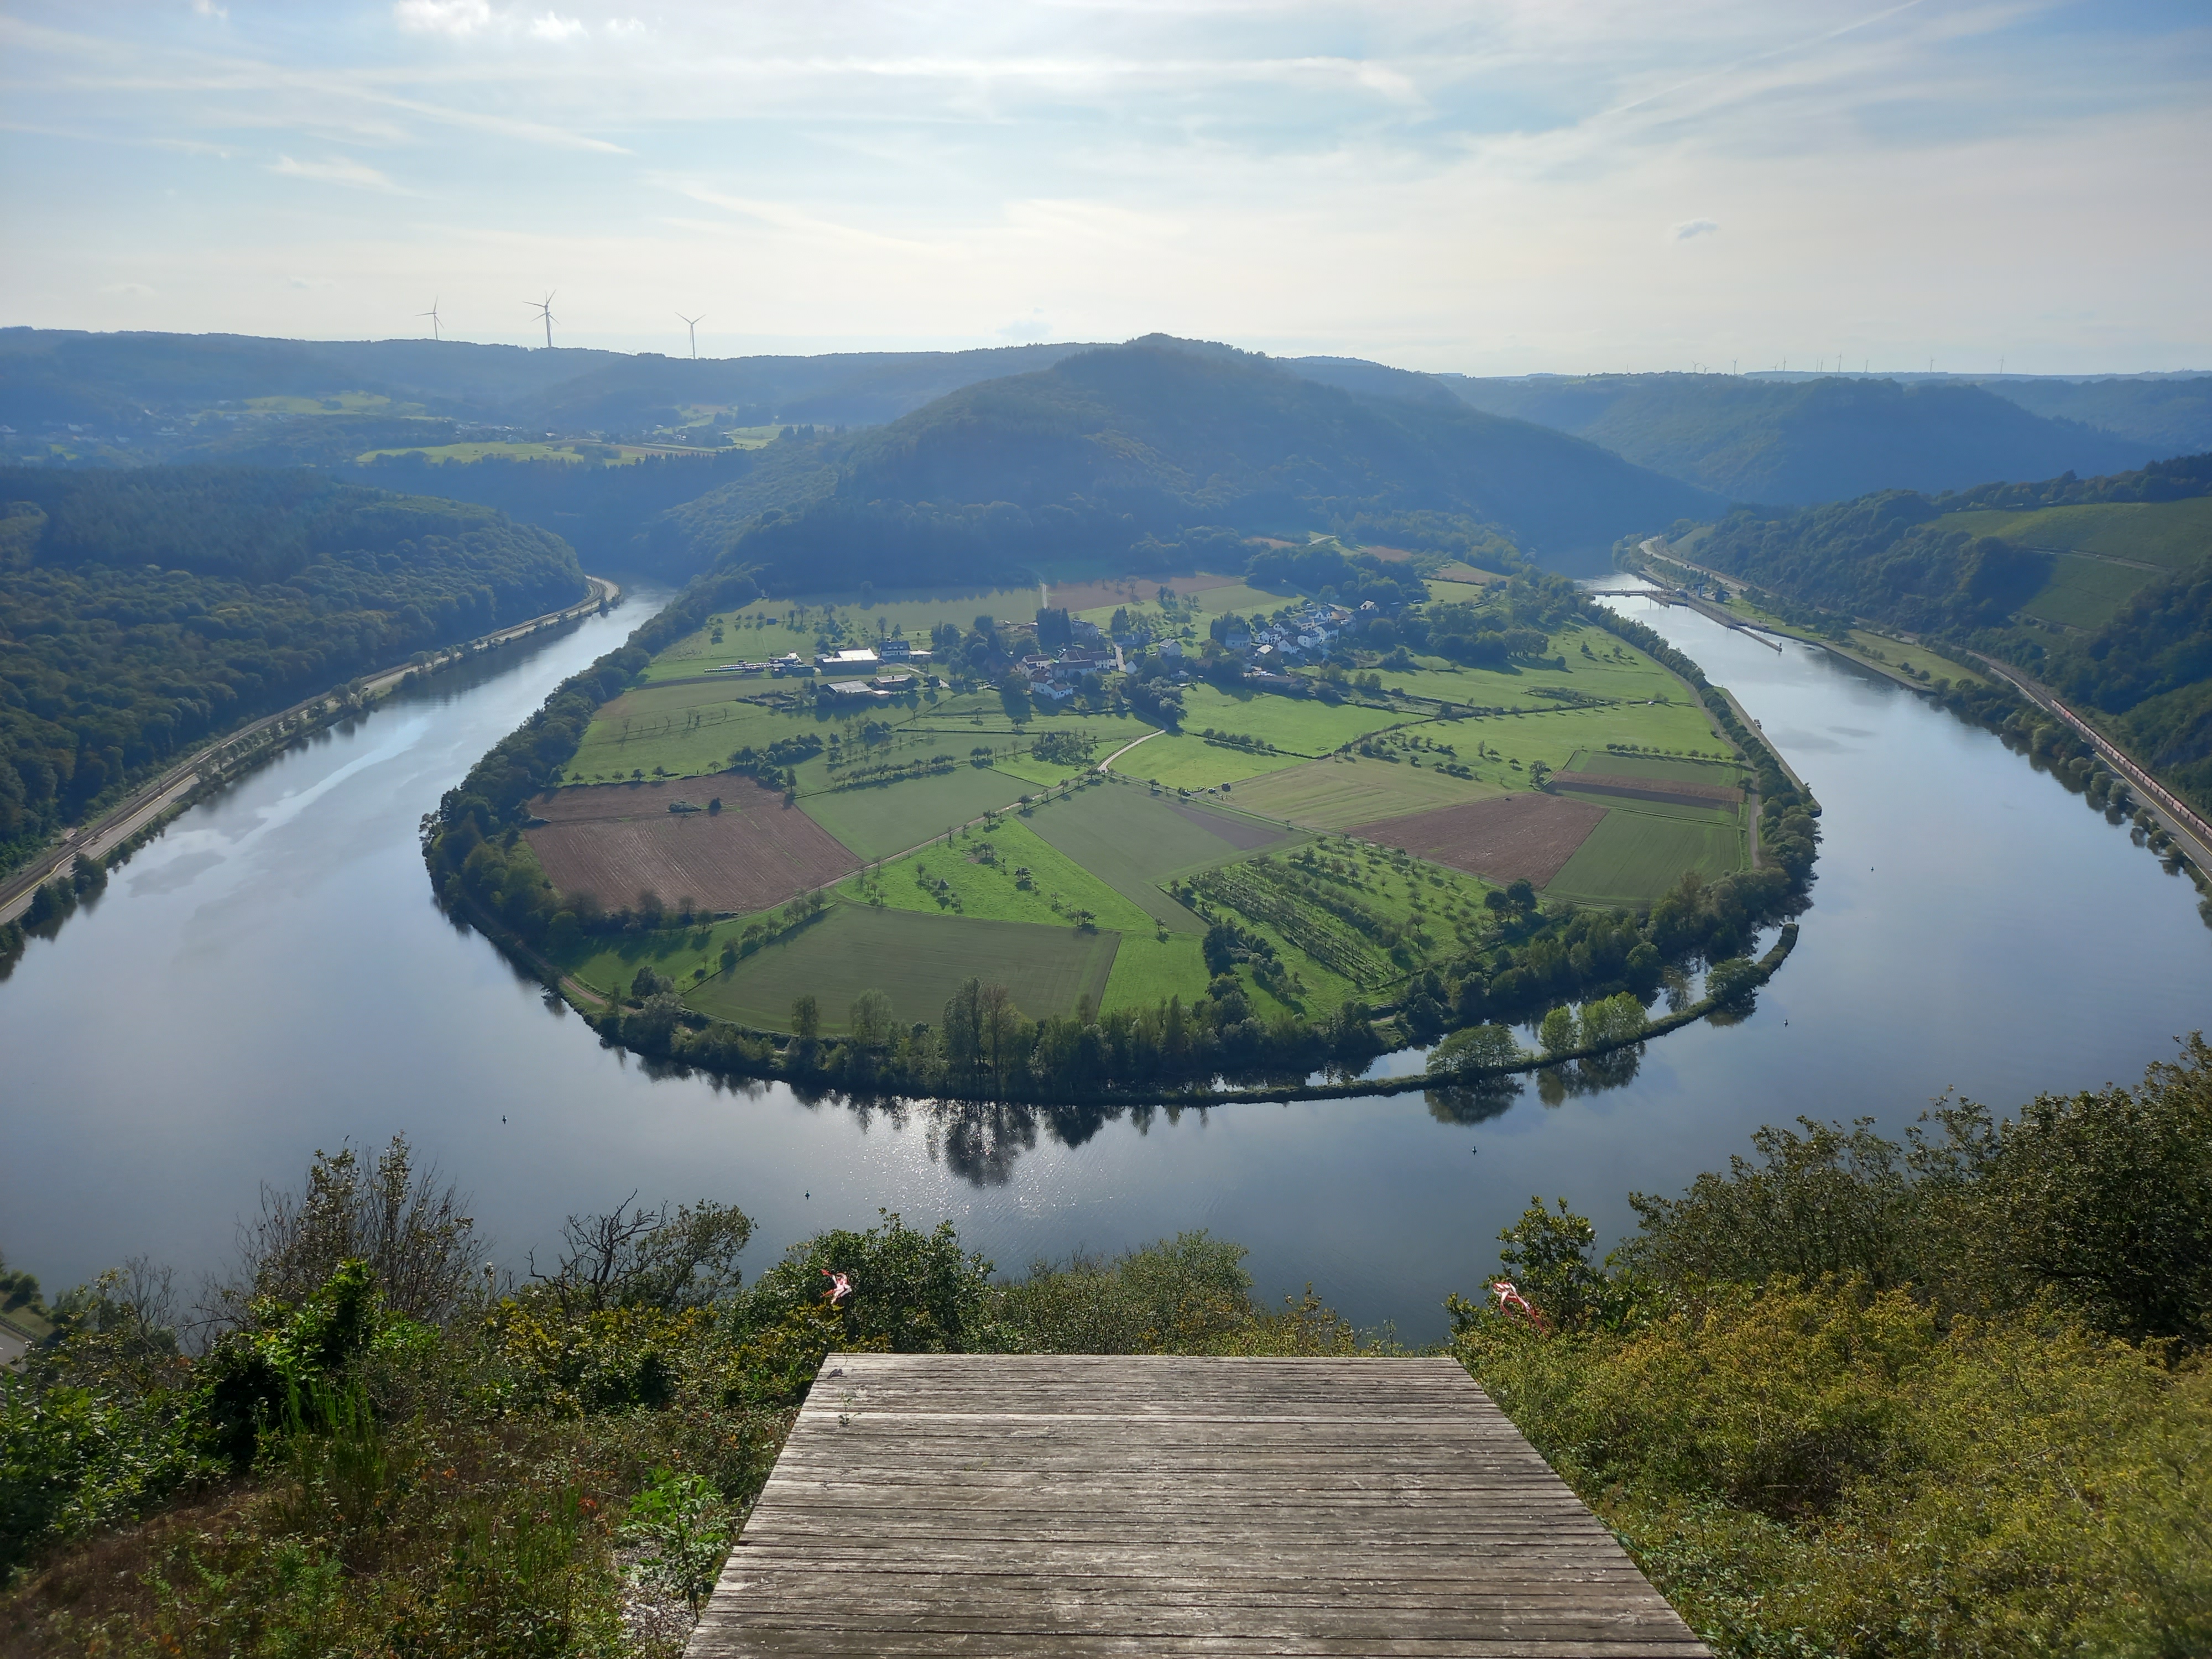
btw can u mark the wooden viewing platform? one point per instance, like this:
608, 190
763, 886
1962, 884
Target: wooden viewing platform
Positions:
1073, 1505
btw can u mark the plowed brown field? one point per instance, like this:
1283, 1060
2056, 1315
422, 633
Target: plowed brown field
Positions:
617, 840
1659, 789
1503, 840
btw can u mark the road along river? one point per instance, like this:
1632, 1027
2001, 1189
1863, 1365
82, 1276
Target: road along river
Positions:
271, 977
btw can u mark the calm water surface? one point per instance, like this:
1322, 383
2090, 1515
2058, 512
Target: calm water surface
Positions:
271, 977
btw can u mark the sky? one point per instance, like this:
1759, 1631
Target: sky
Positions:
1563, 185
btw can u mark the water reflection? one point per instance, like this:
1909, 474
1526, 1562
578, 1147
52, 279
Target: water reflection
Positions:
272, 977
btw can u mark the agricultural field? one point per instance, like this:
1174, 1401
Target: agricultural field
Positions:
609, 963
1634, 855
617, 841
2085, 592
2171, 535
1674, 769
1464, 575
917, 960
990, 860
1084, 596
1182, 760
463, 454
1527, 837
882, 821
346, 402
772, 627
1347, 789
684, 731
1598, 665
1132, 841
1304, 899
1651, 782
980, 873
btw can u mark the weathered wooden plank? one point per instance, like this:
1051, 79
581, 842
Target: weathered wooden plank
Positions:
1083, 1504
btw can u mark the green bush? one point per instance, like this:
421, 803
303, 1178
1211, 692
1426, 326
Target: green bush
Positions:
1859, 1399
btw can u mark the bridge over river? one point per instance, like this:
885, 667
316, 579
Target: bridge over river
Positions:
1058, 1504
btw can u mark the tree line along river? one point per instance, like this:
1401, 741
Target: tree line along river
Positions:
270, 978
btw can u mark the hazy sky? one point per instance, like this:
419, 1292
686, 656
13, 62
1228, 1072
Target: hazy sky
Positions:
1565, 185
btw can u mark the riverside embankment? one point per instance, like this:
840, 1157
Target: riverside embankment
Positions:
238, 750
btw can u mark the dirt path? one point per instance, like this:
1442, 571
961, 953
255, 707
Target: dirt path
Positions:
97, 839
1107, 762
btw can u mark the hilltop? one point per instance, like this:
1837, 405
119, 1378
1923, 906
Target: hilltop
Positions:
1792, 444
1155, 446
140, 386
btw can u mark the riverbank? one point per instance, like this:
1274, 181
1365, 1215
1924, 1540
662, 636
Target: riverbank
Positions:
1654, 549
110, 839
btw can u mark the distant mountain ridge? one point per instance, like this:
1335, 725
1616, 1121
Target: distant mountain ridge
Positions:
48, 375
1135, 448
1790, 444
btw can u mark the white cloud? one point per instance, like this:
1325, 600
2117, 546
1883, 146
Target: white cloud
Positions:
128, 290
1690, 228
453, 17
552, 26
209, 8
337, 170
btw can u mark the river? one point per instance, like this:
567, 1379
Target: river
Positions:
271, 978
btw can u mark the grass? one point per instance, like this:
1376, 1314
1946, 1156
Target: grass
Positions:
1147, 968
1345, 790
610, 964
975, 875
1657, 809
1182, 761
917, 960
2173, 534
466, 453
682, 731
1727, 775
772, 627
1132, 841
1442, 908
348, 403
1303, 726
1108, 849
1633, 856
880, 822
2085, 592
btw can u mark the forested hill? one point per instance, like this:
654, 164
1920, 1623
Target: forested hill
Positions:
636, 516
1134, 450
144, 385
143, 612
1794, 443
2102, 586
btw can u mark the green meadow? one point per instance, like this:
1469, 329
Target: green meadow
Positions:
881, 821
1347, 789
915, 959
1038, 875
1636, 854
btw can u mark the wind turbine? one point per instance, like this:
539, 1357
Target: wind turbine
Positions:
692, 323
545, 307
432, 314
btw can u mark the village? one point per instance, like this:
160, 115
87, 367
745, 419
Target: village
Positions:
895, 666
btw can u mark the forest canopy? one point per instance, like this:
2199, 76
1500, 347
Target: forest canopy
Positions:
1916, 562
143, 612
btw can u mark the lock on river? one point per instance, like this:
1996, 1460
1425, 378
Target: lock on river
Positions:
271, 977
